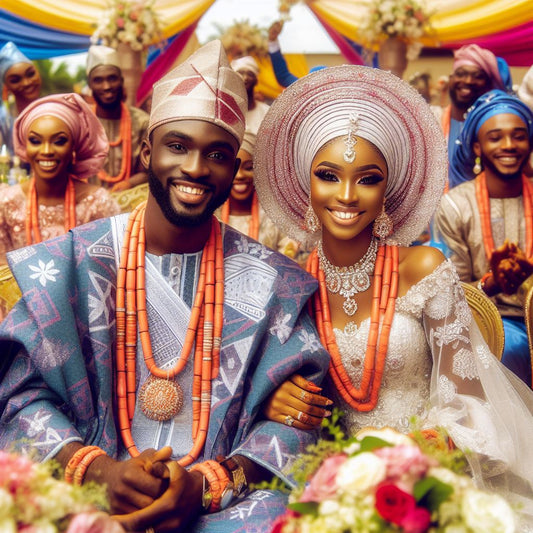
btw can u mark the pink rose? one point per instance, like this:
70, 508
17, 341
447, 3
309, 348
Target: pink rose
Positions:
283, 520
393, 504
120, 22
323, 484
96, 522
416, 521
405, 464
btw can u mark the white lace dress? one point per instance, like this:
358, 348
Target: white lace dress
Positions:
439, 368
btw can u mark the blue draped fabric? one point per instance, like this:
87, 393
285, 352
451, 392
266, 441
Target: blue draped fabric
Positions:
39, 42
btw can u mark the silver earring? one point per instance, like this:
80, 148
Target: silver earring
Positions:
383, 226
477, 167
311, 220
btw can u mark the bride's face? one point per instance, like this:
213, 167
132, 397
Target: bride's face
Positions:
347, 197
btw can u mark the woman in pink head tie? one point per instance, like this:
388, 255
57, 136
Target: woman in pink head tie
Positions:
64, 144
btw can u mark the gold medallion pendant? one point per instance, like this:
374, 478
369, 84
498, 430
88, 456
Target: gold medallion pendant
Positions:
160, 399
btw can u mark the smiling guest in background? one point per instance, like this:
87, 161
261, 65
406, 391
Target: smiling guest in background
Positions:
20, 77
480, 215
64, 143
124, 125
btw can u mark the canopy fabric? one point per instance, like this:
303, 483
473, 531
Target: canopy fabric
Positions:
455, 21
44, 28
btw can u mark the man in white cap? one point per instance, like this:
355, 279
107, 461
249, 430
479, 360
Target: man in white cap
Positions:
248, 69
148, 343
124, 125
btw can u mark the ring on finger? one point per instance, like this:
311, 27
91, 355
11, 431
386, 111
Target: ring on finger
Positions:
301, 416
303, 395
289, 420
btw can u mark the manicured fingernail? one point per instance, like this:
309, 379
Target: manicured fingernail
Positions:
329, 402
313, 387
327, 413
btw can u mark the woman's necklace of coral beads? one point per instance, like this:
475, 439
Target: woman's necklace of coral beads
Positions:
364, 397
33, 232
161, 397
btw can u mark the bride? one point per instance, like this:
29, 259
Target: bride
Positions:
352, 160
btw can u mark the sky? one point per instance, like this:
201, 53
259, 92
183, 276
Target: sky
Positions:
301, 34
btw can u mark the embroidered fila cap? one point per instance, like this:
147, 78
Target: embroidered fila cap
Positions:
203, 87
101, 55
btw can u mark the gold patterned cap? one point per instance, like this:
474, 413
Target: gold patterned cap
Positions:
101, 55
203, 87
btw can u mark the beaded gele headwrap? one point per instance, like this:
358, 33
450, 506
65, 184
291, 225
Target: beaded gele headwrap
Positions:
391, 115
351, 140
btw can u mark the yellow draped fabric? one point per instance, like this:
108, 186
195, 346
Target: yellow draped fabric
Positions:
267, 84
454, 20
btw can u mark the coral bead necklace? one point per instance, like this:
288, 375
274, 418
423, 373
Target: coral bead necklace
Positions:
483, 202
160, 397
124, 139
364, 397
33, 233
253, 228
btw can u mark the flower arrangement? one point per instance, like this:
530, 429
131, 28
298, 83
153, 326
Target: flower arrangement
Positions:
33, 500
284, 7
133, 22
244, 39
382, 481
405, 19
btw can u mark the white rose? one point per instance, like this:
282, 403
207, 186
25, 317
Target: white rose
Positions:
361, 472
387, 434
449, 477
329, 507
485, 512
8, 525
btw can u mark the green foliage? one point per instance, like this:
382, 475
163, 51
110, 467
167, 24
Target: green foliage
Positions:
55, 78
431, 492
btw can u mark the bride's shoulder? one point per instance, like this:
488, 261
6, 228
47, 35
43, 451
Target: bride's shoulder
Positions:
418, 262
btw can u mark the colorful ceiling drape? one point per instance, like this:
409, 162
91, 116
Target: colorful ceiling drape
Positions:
44, 28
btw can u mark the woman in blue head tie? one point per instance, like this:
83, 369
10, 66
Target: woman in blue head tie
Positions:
487, 222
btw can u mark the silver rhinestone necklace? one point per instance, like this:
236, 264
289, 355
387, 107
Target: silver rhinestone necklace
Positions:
350, 280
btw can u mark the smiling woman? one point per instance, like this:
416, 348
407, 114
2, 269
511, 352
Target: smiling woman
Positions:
64, 144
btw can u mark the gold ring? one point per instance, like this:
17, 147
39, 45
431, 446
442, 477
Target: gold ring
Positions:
289, 420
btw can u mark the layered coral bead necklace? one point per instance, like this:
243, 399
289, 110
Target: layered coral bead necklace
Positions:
253, 228
365, 396
483, 202
33, 232
124, 139
160, 399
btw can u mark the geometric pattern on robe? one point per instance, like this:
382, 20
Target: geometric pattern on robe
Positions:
58, 385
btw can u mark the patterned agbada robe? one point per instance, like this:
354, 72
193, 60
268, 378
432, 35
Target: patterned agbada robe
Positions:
59, 387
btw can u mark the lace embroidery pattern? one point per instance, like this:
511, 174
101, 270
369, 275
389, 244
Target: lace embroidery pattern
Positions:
464, 364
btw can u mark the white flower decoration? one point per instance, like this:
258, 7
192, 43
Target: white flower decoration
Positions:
44, 272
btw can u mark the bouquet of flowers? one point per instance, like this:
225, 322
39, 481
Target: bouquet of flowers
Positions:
405, 19
243, 39
133, 22
33, 500
383, 481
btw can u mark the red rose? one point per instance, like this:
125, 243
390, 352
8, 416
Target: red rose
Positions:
283, 520
393, 504
416, 521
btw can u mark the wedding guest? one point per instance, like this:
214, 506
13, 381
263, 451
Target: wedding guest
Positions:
64, 144
125, 126
493, 206
242, 210
20, 77
352, 159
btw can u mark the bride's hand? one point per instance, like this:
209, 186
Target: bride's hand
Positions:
296, 403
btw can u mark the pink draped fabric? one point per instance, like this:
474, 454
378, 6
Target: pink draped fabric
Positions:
163, 63
344, 47
503, 44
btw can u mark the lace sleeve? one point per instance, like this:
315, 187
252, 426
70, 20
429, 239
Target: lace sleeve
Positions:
484, 407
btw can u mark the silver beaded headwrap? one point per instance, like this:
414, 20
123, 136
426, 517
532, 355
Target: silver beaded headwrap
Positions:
315, 110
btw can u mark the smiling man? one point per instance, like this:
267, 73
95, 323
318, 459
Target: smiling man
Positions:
476, 70
478, 216
125, 126
157, 336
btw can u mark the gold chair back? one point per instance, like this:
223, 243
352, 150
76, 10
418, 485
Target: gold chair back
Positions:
129, 199
9, 291
487, 318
